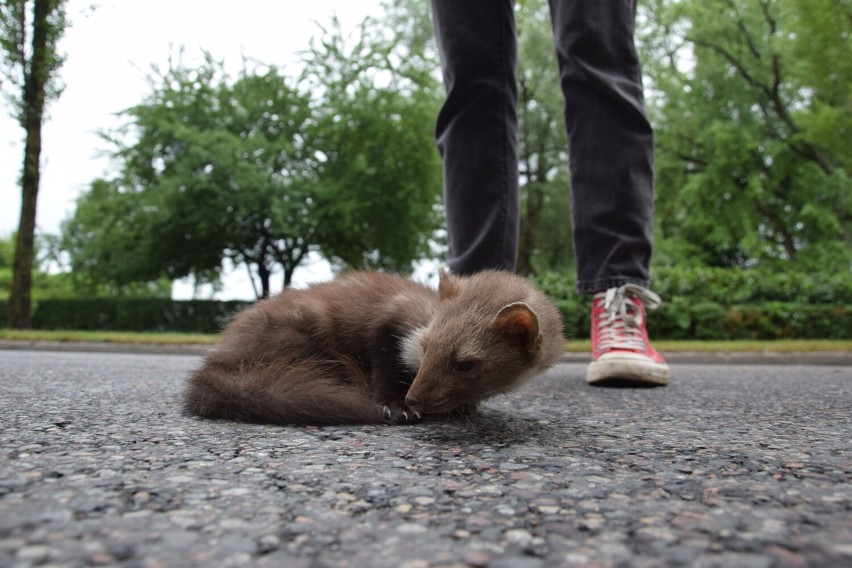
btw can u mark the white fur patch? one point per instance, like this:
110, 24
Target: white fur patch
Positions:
412, 350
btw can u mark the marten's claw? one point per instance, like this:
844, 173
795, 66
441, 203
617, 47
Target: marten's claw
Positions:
398, 413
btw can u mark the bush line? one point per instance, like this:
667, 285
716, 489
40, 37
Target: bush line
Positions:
699, 303
674, 320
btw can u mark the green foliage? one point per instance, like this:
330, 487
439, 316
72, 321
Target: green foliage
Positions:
52, 280
16, 57
379, 171
7, 252
750, 286
706, 321
752, 111
749, 170
264, 169
546, 240
772, 320
201, 316
718, 303
726, 286
820, 55
704, 304
43, 283
213, 170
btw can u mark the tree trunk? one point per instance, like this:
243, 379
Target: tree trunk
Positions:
530, 226
264, 274
20, 301
526, 241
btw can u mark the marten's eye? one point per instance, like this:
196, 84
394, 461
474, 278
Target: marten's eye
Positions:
465, 366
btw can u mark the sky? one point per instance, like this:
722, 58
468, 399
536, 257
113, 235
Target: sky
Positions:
109, 51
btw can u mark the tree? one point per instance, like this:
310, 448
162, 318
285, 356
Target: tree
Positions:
380, 179
210, 170
263, 170
820, 53
29, 32
748, 172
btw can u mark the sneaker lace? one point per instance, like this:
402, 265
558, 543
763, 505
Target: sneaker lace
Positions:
620, 323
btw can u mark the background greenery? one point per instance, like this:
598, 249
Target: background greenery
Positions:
706, 303
721, 303
751, 101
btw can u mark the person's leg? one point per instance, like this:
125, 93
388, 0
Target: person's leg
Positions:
476, 132
611, 149
610, 141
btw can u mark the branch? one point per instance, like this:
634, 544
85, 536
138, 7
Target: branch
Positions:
744, 31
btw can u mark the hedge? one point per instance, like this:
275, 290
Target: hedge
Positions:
752, 286
728, 286
677, 319
709, 321
104, 314
723, 303
699, 303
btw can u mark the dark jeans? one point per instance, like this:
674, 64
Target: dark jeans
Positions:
610, 138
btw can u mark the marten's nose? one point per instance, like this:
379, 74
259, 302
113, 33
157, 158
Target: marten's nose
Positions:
414, 405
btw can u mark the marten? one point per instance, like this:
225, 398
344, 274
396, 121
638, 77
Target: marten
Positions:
371, 347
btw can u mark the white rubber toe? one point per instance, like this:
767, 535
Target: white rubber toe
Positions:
626, 367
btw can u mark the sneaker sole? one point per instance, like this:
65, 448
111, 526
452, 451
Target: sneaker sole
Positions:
627, 371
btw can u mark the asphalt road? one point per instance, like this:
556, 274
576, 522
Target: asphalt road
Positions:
731, 465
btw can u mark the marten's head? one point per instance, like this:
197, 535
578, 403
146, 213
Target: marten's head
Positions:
486, 338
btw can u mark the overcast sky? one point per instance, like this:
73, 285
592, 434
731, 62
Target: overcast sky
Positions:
109, 51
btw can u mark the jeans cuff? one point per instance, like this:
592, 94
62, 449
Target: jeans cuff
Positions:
604, 284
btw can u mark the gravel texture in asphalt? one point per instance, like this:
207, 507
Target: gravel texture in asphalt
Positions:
728, 466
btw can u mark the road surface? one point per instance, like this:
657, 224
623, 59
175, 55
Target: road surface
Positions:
731, 465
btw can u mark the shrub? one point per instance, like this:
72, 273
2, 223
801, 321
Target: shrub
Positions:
149, 314
699, 303
719, 303
751, 286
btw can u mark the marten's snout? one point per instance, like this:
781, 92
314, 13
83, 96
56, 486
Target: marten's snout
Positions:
414, 405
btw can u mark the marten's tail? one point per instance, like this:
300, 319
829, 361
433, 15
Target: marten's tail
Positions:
300, 392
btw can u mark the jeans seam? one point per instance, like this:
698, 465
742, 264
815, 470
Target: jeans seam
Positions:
504, 209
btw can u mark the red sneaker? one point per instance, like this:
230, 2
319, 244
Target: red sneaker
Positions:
621, 350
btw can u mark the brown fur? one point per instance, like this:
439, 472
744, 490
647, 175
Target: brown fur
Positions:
346, 351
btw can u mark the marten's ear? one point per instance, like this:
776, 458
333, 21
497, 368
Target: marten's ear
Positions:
518, 320
448, 285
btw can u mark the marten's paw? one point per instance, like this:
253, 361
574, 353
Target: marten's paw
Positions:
396, 412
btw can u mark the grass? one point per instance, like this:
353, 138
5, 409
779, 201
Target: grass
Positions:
780, 345
109, 337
